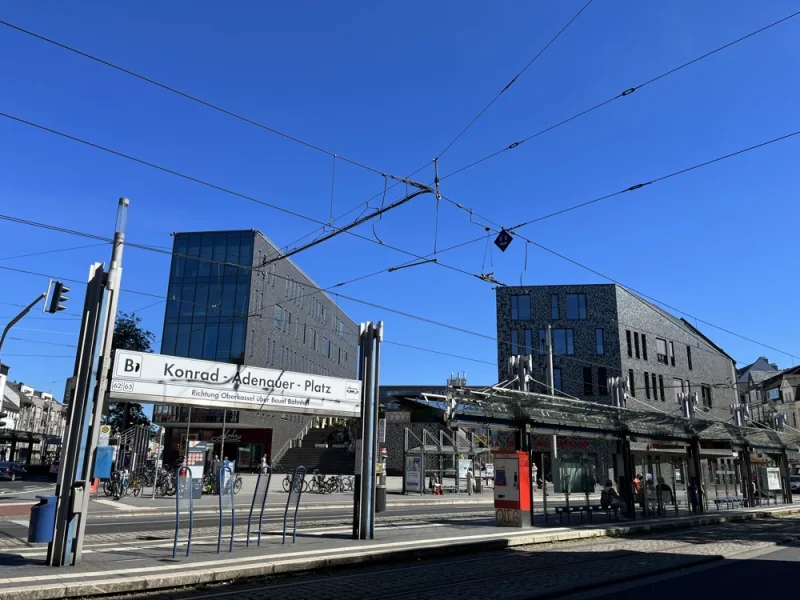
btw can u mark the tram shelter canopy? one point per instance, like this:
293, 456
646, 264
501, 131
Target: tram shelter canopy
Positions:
552, 414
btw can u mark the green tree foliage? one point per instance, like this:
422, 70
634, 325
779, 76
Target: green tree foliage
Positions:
128, 335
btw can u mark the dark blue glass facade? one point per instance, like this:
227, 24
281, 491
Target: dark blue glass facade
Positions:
208, 303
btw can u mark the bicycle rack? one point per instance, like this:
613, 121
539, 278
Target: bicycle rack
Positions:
183, 490
226, 496
268, 472
296, 488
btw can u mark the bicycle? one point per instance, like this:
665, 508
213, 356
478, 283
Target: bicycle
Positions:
298, 486
237, 484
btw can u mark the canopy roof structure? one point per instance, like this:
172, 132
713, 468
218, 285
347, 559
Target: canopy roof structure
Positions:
553, 414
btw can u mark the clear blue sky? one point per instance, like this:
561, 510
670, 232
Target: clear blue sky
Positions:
389, 84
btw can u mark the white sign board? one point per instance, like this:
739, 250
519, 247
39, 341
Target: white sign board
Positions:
156, 378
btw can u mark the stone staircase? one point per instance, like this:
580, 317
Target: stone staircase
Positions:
330, 461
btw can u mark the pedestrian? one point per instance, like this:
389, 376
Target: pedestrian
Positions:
694, 496
609, 499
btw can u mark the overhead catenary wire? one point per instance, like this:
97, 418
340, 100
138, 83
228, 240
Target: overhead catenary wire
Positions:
185, 95
513, 80
55, 251
625, 93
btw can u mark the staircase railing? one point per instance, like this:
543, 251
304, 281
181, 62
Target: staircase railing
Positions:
291, 443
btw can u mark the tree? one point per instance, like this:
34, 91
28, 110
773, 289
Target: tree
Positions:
128, 335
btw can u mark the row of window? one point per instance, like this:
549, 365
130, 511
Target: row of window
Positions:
284, 321
289, 361
665, 350
575, 307
655, 383
210, 248
563, 341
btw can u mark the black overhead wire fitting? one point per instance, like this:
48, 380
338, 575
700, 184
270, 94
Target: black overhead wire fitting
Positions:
513, 80
622, 94
185, 95
383, 201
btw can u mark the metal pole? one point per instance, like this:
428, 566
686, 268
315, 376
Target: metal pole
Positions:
59, 548
375, 413
188, 427
105, 365
550, 379
159, 454
367, 443
222, 439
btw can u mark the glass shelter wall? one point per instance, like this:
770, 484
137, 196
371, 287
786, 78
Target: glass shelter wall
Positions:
208, 302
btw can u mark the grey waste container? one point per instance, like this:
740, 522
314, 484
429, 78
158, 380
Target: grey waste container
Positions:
380, 498
43, 520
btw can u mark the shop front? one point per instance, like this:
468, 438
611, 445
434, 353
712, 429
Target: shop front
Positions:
245, 446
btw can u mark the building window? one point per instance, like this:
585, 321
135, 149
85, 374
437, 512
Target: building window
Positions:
661, 387
576, 306
705, 392
588, 388
672, 353
520, 308
542, 341
514, 343
252, 342
326, 347
267, 357
599, 341
564, 341
287, 323
274, 352
647, 385
632, 382
689, 356
644, 346
528, 342
677, 385
655, 389
554, 306
773, 394
278, 318
602, 381
557, 379
661, 351
636, 343
628, 340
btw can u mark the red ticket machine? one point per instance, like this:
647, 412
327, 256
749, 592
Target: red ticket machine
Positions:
512, 489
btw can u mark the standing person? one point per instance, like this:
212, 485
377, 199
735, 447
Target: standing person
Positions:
215, 465
263, 463
694, 495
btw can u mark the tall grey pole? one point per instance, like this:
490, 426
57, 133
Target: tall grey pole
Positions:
368, 441
550, 378
105, 365
58, 550
159, 455
376, 359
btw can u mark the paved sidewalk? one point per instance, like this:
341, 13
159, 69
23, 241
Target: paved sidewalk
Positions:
147, 565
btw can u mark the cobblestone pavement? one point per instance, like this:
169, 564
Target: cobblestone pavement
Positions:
522, 572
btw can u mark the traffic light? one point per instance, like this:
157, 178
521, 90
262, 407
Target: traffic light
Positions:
4, 424
56, 297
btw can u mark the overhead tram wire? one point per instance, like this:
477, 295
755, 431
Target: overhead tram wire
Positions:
352, 299
187, 95
513, 80
623, 94
473, 121
346, 229
56, 251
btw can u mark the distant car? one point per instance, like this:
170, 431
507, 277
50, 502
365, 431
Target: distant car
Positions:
12, 471
794, 483
54, 470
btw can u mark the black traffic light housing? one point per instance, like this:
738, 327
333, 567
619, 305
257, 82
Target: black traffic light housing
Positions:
3, 424
56, 297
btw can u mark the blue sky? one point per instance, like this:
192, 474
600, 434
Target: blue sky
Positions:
389, 85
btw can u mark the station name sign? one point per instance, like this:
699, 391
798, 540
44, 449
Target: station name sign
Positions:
160, 379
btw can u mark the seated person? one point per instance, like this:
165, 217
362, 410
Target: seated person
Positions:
609, 498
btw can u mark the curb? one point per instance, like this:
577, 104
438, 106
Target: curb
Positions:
227, 574
244, 508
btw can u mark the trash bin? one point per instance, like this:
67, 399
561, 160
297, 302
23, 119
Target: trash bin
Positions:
478, 485
380, 497
43, 520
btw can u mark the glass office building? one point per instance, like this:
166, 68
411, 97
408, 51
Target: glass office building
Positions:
208, 303
221, 307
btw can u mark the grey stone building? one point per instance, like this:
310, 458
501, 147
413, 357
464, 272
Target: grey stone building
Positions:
253, 314
602, 331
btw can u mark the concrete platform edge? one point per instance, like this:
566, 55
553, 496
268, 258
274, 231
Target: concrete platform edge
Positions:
45, 590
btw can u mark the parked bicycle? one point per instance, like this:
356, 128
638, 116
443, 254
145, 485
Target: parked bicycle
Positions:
298, 487
117, 485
